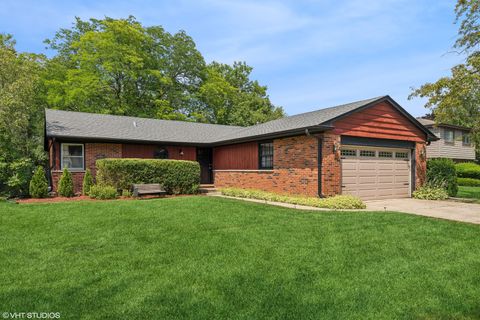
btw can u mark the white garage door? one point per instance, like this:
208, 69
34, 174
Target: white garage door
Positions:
375, 173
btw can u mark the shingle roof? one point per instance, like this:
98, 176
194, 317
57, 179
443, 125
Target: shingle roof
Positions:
78, 125
426, 122
68, 124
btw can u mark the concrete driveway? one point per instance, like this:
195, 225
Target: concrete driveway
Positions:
450, 210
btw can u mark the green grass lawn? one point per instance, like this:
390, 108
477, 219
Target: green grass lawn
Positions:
212, 258
468, 192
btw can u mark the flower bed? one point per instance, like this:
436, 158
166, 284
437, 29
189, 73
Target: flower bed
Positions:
336, 202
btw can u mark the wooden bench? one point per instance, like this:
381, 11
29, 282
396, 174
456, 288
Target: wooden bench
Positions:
149, 188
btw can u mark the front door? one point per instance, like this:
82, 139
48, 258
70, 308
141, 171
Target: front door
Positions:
204, 158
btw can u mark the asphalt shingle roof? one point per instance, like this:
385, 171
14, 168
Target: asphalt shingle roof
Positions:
78, 125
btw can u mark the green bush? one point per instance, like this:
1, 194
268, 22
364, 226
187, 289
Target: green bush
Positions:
441, 173
336, 202
126, 193
430, 193
176, 176
468, 182
87, 182
65, 185
468, 170
102, 192
38, 184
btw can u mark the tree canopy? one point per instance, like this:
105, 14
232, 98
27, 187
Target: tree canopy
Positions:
118, 66
455, 99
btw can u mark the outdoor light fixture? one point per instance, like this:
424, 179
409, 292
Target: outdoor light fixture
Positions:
181, 152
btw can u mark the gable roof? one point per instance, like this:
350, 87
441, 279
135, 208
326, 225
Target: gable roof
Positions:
431, 123
90, 126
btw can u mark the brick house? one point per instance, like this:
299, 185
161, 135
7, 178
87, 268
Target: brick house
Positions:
371, 148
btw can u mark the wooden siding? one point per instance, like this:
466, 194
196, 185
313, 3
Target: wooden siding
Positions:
441, 149
380, 121
146, 151
243, 156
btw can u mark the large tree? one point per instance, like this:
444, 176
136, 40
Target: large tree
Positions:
119, 66
455, 99
21, 117
230, 97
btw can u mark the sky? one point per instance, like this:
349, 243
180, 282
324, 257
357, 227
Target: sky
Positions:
310, 54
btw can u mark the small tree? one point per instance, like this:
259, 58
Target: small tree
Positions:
87, 183
39, 184
65, 185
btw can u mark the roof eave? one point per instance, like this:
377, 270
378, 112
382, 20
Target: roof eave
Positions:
278, 134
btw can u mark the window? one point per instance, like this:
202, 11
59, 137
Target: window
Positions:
160, 153
367, 153
466, 139
448, 135
385, 154
348, 153
265, 154
401, 155
72, 156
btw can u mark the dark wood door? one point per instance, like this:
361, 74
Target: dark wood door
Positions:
204, 158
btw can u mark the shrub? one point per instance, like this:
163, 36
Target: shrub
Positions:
102, 192
468, 182
176, 176
38, 184
468, 170
65, 185
126, 193
336, 202
441, 173
87, 182
430, 193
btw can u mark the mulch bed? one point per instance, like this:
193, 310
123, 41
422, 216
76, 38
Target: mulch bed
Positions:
87, 198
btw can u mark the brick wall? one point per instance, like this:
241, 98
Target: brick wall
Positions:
93, 152
331, 166
420, 164
295, 169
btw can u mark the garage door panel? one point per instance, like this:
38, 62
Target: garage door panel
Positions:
374, 177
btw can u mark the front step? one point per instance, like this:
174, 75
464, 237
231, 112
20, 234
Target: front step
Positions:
207, 189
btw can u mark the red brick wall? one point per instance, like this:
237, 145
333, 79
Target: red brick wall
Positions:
420, 164
93, 152
295, 169
331, 167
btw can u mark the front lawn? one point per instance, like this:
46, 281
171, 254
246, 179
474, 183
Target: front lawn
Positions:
468, 192
207, 258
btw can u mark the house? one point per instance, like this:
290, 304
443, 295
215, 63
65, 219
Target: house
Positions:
455, 141
372, 148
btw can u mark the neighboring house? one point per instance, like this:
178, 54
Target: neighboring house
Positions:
371, 148
455, 141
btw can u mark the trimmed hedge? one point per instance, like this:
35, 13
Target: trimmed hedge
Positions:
441, 173
468, 170
336, 202
468, 182
176, 176
102, 192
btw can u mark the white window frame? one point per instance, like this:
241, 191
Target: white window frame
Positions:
466, 135
82, 156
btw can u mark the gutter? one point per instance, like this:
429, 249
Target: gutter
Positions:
278, 134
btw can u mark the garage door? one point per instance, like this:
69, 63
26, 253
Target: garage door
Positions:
375, 173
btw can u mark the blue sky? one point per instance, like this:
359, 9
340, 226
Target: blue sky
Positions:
310, 54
